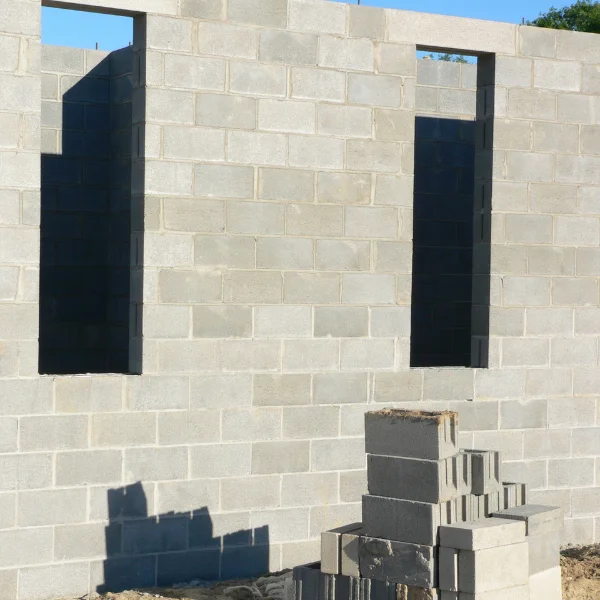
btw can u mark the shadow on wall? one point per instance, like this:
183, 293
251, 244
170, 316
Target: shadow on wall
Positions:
144, 552
443, 242
85, 274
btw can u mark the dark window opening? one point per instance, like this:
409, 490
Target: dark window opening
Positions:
85, 272
449, 279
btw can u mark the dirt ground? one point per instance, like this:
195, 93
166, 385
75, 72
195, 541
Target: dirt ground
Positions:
581, 573
580, 576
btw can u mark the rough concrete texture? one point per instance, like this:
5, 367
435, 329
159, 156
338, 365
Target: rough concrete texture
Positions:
246, 382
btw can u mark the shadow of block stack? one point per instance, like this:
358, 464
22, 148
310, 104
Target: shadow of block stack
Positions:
438, 523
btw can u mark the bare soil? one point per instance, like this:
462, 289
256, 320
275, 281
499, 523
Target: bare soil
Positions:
581, 573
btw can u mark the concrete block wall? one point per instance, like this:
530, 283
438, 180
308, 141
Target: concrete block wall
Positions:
86, 198
276, 175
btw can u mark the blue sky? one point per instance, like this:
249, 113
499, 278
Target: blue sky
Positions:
84, 30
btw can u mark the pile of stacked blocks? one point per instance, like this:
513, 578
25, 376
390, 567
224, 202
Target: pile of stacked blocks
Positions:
438, 524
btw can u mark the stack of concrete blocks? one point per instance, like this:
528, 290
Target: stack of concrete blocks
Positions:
438, 523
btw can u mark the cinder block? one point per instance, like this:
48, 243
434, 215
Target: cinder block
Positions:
311, 15
344, 188
430, 481
123, 429
286, 185
538, 519
339, 388
194, 143
397, 59
187, 427
288, 48
84, 468
233, 252
369, 155
346, 54
375, 90
53, 433
248, 147
544, 551
477, 505
224, 39
219, 110
311, 288
169, 106
257, 79
191, 286
51, 507
341, 321
202, 9
331, 558
411, 434
363, 354
41, 582
314, 220
318, 84
524, 103
485, 471
546, 585
278, 390
398, 562
349, 553
8, 581
253, 287
401, 520
340, 255
493, 568
367, 21
250, 355
281, 457
284, 253
316, 152
282, 321
448, 569
272, 13
488, 533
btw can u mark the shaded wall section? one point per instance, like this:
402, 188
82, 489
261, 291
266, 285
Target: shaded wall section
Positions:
145, 550
85, 217
443, 214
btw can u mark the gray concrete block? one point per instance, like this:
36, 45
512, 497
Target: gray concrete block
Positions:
28, 546
222, 321
398, 562
488, 533
448, 569
539, 519
286, 185
219, 110
202, 9
493, 568
410, 434
413, 479
257, 79
314, 220
331, 558
546, 585
272, 13
349, 553
38, 583
485, 471
89, 467
341, 321
544, 551
401, 520
288, 48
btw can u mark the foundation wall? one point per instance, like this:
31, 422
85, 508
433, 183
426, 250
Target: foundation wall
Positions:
273, 157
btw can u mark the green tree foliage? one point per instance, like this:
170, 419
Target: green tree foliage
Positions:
448, 58
584, 15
